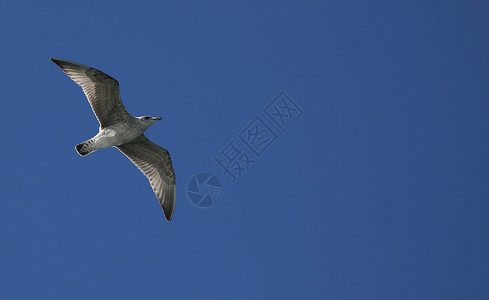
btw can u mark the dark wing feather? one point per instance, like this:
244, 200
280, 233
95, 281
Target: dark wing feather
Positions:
102, 91
155, 163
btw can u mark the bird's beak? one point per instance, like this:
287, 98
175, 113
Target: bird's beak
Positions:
158, 118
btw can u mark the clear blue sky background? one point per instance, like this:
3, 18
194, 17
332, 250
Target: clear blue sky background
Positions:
379, 191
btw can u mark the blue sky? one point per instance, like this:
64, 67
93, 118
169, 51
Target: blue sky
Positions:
379, 190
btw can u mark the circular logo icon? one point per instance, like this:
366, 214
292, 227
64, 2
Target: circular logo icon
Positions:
204, 189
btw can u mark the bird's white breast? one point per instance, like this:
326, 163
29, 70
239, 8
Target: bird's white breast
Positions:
118, 134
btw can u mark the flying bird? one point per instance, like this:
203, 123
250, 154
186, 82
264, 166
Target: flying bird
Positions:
121, 130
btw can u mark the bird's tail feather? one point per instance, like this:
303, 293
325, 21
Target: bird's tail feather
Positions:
86, 147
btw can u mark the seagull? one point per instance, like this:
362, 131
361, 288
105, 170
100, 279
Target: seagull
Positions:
121, 130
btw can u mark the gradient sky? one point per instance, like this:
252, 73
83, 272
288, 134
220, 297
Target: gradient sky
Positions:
377, 190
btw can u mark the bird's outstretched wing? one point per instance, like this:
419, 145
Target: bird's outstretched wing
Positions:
155, 163
102, 91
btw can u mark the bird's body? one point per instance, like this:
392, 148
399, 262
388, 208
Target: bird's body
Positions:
114, 135
121, 130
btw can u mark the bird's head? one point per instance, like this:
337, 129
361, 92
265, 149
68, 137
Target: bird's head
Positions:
147, 120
